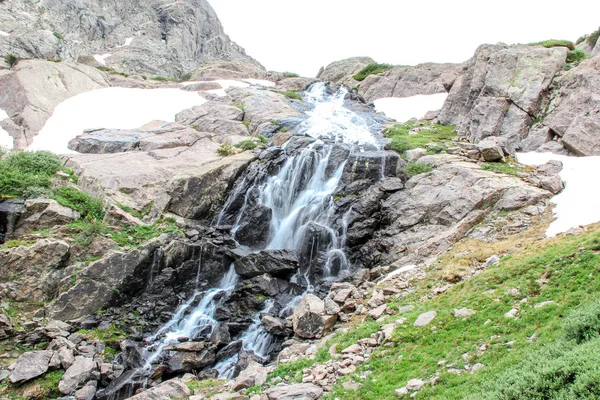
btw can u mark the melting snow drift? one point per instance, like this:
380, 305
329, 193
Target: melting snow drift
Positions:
110, 108
577, 204
6, 141
403, 109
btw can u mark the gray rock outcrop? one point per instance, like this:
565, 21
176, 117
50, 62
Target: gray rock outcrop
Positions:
406, 81
310, 319
343, 71
574, 113
30, 365
157, 37
501, 91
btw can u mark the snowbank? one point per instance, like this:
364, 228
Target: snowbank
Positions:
227, 83
101, 58
111, 108
577, 204
2, 33
6, 141
403, 109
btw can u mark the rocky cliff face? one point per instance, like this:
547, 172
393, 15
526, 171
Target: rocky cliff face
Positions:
133, 36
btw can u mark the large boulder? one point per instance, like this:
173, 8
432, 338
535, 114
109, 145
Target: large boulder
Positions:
501, 90
190, 180
310, 319
255, 227
78, 374
155, 135
187, 361
171, 389
30, 365
407, 81
31, 91
273, 262
574, 116
214, 117
35, 271
42, 214
10, 211
343, 71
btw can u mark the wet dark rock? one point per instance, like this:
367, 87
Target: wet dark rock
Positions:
370, 165
10, 210
189, 361
135, 355
229, 350
274, 262
220, 336
255, 227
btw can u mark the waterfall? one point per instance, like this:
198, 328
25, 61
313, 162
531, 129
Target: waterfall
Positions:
202, 316
300, 197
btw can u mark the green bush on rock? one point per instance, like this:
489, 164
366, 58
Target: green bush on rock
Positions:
27, 174
372, 69
292, 94
555, 43
88, 206
414, 169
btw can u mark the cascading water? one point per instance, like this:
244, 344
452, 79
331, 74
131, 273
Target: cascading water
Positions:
201, 317
300, 197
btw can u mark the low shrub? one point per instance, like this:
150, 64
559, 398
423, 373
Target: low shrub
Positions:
161, 78
501, 167
403, 140
226, 149
292, 94
58, 35
27, 174
414, 169
372, 69
583, 324
557, 371
246, 145
592, 39
88, 206
11, 60
290, 75
576, 55
263, 139
555, 43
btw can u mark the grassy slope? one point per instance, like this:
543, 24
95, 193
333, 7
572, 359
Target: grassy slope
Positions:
570, 267
564, 270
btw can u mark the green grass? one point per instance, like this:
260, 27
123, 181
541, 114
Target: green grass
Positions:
226, 149
294, 369
576, 56
501, 167
112, 334
290, 75
137, 213
49, 383
11, 244
372, 69
292, 94
263, 139
240, 106
88, 206
27, 174
555, 43
58, 35
247, 145
414, 169
207, 387
85, 231
161, 78
437, 135
564, 270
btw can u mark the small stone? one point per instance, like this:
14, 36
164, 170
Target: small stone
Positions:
377, 312
402, 392
543, 304
425, 318
511, 314
476, 367
415, 384
355, 348
463, 312
351, 385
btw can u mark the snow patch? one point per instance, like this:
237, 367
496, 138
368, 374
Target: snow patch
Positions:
2, 33
110, 108
577, 204
6, 141
127, 42
101, 58
403, 109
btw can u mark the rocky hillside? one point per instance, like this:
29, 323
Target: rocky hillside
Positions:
134, 37
281, 240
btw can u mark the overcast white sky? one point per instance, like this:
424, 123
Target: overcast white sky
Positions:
302, 36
